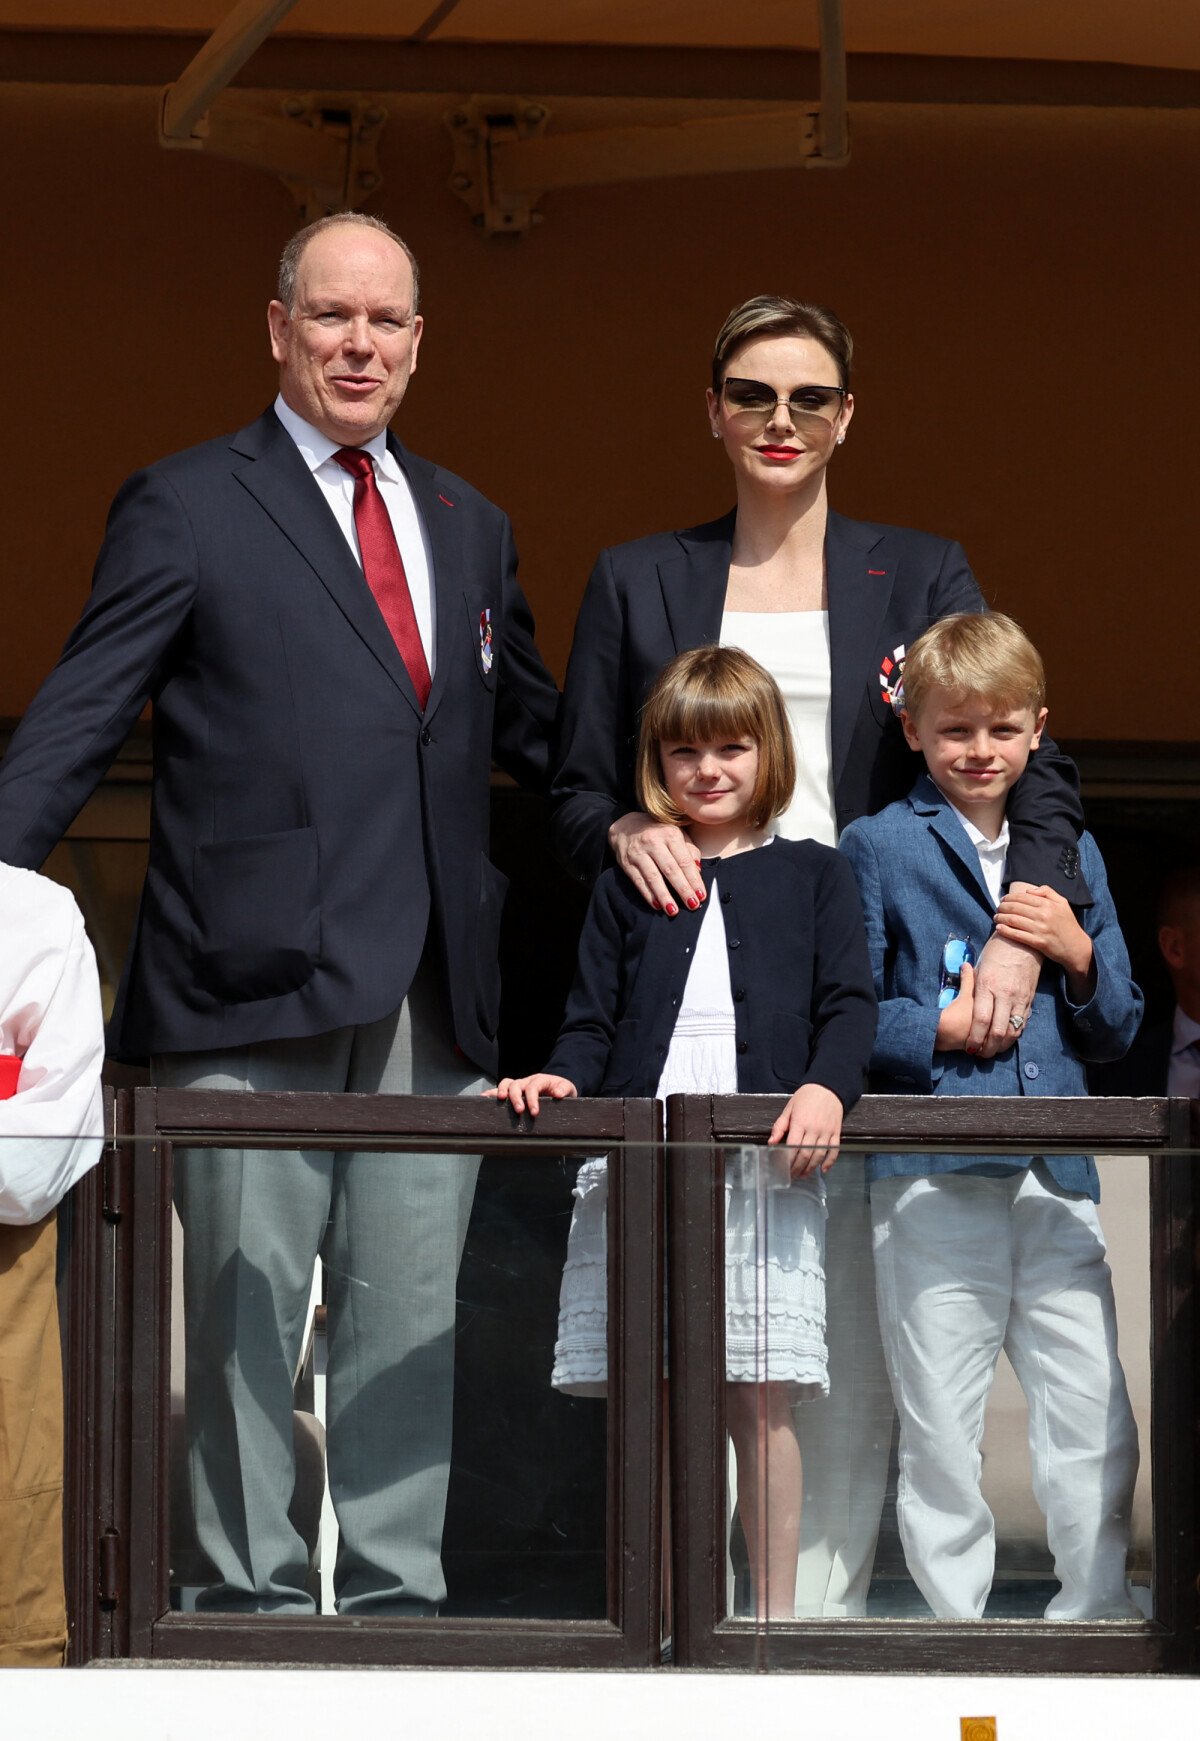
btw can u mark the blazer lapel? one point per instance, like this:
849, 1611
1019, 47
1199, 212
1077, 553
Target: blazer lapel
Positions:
927, 801
858, 601
282, 485
695, 582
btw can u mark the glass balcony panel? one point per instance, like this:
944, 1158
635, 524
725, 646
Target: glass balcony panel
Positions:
403, 1400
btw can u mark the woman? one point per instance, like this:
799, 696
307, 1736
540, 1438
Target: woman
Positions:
827, 605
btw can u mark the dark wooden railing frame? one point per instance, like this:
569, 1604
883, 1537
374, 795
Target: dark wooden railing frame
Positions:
119, 1395
697, 1130
118, 1330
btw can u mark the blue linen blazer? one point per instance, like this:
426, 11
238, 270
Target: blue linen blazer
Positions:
920, 881
804, 1010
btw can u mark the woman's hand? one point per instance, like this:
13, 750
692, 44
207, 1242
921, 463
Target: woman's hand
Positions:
659, 860
1006, 977
811, 1122
1040, 918
954, 1022
523, 1092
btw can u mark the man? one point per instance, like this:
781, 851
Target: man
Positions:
335, 643
51, 1125
1165, 1057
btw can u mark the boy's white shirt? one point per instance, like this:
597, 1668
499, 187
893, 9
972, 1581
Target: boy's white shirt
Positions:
993, 854
51, 1130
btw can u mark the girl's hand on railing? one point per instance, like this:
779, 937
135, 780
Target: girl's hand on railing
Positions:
811, 1122
523, 1093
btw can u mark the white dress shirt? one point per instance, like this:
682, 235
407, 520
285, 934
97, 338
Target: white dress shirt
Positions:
1183, 1074
50, 1018
993, 854
337, 487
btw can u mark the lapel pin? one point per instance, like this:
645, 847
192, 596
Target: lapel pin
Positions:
891, 678
879, 573
445, 499
486, 651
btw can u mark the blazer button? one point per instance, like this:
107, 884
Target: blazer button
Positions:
739, 995
426, 736
1031, 1070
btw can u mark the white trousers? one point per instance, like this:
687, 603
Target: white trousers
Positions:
966, 1266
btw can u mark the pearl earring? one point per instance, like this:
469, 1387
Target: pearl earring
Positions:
840, 440
716, 435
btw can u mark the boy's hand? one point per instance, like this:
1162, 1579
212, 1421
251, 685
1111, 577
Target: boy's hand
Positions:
1042, 919
523, 1092
812, 1123
954, 1022
1006, 978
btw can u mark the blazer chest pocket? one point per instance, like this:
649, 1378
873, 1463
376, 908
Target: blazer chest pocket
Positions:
258, 915
791, 1047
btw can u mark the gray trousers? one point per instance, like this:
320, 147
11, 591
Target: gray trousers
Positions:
390, 1229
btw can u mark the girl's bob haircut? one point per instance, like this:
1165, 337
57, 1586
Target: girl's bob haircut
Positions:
713, 694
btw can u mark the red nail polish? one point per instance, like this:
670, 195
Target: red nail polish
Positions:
655, 905
693, 903
672, 909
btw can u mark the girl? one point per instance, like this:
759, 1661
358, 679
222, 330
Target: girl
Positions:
763, 987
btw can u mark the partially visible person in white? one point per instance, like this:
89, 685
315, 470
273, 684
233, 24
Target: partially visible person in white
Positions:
51, 1131
50, 1018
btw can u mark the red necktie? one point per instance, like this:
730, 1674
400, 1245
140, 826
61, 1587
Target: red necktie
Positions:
383, 566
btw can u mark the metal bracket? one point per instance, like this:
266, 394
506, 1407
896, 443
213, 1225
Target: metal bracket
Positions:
480, 129
322, 145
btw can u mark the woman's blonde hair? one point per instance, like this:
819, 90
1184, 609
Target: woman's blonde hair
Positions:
716, 693
985, 655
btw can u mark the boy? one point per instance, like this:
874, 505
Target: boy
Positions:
51, 1125
973, 1255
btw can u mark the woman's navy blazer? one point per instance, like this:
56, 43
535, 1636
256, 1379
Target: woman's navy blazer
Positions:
800, 975
658, 596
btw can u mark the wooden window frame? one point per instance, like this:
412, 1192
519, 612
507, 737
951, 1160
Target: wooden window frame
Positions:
697, 1128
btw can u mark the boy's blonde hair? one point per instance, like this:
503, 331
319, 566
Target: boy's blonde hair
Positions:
984, 655
715, 693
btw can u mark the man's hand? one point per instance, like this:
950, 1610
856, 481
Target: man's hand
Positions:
659, 860
954, 1022
1006, 977
523, 1092
811, 1122
1041, 918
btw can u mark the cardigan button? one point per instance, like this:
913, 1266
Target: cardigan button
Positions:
1031, 1070
734, 942
743, 1046
739, 995
725, 899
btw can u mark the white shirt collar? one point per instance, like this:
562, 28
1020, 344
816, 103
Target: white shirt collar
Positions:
317, 449
1186, 1032
978, 838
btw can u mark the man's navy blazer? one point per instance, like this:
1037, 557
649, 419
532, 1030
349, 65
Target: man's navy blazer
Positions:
659, 596
804, 1009
309, 826
921, 882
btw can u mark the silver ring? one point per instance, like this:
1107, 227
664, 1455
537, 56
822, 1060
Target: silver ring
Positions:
1017, 1022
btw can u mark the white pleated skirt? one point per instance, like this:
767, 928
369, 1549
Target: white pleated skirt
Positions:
774, 1256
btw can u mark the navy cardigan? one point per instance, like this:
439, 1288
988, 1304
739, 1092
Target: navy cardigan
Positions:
804, 1006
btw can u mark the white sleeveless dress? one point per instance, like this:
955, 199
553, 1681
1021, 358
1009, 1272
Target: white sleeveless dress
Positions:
788, 1345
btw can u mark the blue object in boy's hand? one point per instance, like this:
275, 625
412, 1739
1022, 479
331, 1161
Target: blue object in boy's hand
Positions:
957, 953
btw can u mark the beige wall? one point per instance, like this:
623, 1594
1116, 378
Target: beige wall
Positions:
1021, 285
